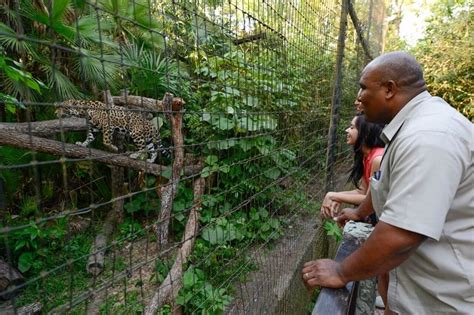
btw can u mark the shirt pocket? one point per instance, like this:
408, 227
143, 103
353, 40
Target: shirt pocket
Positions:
377, 195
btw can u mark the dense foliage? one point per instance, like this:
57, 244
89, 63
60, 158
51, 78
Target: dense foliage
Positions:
256, 112
446, 54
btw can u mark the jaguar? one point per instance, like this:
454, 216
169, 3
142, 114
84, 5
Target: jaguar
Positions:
111, 118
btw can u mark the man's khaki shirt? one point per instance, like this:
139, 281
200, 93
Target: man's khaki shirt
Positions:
426, 186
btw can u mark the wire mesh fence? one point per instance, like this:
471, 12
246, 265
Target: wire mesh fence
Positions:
212, 121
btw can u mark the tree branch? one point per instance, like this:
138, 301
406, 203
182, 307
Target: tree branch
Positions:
168, 191
356, 22
47, 127
145, 102
169, 288
24, 141
250, 38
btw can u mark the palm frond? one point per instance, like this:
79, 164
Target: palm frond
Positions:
60, 83
16, 89
152, 75
100, 70
87, 32
9, 40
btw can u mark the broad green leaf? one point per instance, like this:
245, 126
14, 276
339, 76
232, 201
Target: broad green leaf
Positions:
254, 215
214, 235
230, 110
263, 212
251, 101
20, 245
211, 159
206, 172
157, 122
190, 278
246, 144
25, 262
224, 123
167, 172
232, 91
224, 168
222, 145
333, 230
179, 205
272, 173
206, 117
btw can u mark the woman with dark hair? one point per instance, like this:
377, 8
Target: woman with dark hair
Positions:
364, 137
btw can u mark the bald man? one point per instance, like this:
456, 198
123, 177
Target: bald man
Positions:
423, 197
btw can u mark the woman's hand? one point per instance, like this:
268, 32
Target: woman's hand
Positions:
326, 206
335, 208
330, 207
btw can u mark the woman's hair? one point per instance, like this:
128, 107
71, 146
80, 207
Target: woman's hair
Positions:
369, 135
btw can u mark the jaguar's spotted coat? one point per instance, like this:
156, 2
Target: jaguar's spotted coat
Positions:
108, 119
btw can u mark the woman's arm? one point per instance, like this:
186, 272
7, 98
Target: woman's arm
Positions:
333, 200
354, 197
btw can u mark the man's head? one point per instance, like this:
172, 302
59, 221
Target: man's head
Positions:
387, 83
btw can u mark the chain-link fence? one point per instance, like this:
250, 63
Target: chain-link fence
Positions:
212, 121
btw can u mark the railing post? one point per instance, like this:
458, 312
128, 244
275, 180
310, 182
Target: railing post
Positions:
336, 96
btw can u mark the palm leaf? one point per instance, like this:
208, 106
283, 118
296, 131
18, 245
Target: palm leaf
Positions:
150, 74
60, 83
58, 9
16, 89
100, 70
87, 32
53, 19
9, 40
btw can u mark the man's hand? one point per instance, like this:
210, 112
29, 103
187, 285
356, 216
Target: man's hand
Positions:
348, 214
322, 272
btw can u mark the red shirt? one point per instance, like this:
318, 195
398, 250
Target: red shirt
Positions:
368, 163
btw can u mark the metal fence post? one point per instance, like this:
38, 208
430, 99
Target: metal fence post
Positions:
336, 96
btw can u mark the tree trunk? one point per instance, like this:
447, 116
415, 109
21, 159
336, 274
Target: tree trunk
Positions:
168, 191
168, 290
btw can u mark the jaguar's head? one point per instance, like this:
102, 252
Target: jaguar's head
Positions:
71, 108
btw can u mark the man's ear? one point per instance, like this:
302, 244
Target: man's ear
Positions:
391, 89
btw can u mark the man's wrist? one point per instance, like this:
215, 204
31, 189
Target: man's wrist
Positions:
340, 272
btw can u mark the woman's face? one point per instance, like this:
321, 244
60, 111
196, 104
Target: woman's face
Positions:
352, 133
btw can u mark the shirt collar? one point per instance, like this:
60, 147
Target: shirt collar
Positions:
392, 128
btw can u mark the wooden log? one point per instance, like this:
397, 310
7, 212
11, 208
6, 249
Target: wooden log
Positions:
134, 101
250, 38
169, 288
95, 263
169, 190
33, 143
30, 309
47, 127
10, 278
